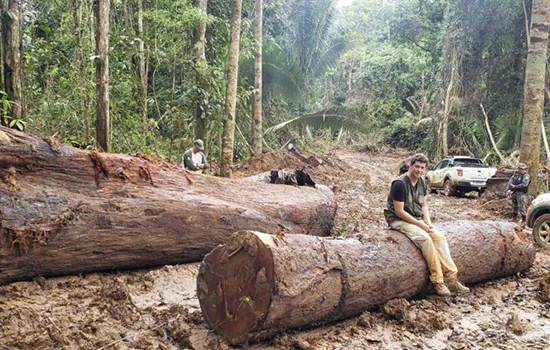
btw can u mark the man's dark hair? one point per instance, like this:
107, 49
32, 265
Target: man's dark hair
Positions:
420, 158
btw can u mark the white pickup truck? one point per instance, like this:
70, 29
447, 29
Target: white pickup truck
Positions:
459, 175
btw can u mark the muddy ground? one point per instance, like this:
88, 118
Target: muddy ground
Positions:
158, 309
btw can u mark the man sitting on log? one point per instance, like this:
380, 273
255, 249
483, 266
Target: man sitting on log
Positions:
407, 211
194, 158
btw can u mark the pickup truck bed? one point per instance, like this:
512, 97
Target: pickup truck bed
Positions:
459, 175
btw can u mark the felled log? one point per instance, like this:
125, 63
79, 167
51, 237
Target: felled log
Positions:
311, 160
258, 285
497, 183
66, 211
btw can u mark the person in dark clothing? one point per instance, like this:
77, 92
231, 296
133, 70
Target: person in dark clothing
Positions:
517, 188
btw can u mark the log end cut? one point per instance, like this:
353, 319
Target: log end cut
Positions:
235, 285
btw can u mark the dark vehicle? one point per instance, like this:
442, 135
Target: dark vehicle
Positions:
538, 217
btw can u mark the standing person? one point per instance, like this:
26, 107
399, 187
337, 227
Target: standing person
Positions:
407, 211
194, 158
517, 188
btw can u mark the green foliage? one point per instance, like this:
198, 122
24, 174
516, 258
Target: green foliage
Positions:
373, 69
5, 118
404, 133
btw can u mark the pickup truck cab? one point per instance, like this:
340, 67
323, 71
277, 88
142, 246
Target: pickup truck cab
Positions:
459, 175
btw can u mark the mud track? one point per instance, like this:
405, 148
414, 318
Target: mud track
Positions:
158, 309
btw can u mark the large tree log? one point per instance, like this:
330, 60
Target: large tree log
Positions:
66, 211
258, 285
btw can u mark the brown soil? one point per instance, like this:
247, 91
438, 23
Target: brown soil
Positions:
158, 309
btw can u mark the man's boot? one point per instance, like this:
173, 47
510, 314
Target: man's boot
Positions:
458, 287
442, 290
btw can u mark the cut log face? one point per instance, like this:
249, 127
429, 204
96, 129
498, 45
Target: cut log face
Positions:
258, 284
251, 267
67, 211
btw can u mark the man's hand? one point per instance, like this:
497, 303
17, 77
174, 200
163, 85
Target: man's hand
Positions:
199, 166
425, 226
509, 194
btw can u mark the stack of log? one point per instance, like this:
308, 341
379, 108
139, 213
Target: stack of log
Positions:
67, 211
258, 284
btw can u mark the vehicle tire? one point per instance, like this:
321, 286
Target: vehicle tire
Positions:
429, 186
541, 230
447, 188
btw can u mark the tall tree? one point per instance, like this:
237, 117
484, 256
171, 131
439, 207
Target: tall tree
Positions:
142, 62
101, 9
231, 88
79, 28
452, 60
12, 55
533, 100
257, 121
200, 63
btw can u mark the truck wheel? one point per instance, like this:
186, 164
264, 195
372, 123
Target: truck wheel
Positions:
447, 189
541, 230
429, 185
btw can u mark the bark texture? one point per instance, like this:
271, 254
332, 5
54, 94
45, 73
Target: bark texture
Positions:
143, 69
78, 11
67, 211
12, 56
258, 284
533, 99
231, 89
257, 120
101, 8
200, 66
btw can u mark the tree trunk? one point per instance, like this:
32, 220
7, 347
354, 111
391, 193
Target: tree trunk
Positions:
200, 66
67, 211
446, 112
101, 9
79, 30
533, 99
491, 138
3, 9
455, 45
89, 97
143, 74
231, 89
257, 121
13, 56
258, 285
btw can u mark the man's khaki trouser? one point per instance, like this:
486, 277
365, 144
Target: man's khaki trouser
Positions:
435, 249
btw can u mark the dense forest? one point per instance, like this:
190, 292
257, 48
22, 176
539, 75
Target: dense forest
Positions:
150, 76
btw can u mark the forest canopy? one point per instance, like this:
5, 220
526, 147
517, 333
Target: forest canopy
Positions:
418, 74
